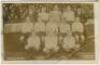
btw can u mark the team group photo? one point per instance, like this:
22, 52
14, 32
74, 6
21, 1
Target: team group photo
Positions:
48, 31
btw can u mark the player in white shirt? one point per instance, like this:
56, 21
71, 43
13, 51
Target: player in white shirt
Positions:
69, 42
51, 43
33, 42
54, 19
43, 15
31, 10
78, 30
55, 15
68, 15
51, 27
64, 28
39, 26
26, 28
39, 29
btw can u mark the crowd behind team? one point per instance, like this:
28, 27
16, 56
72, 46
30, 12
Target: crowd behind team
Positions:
53, 30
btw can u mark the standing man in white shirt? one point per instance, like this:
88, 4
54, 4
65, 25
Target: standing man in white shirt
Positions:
43, 15
64, 30
26, 28
55, 14
68, 15
39, 27
78, 30
51, 28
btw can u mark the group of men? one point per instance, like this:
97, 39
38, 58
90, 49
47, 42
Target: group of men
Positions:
54, 30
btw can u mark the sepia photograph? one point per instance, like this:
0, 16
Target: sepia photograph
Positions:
48, 31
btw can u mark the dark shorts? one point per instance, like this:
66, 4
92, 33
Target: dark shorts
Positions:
63, 34
77, 33
41, 34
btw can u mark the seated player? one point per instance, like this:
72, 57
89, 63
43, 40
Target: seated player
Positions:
68, 15
69, 42
51, 43
78, 30
43, 15
33, 42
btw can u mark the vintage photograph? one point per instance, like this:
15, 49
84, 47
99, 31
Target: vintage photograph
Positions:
48, 31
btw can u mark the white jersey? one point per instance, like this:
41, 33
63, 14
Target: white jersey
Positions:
39, 27
77, 27
51, 27
69, 42
43, 16
51, 42
55, 16
33, 42
26, 27
64, 28
68, 16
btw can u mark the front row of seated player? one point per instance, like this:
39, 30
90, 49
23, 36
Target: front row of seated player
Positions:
52, 42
